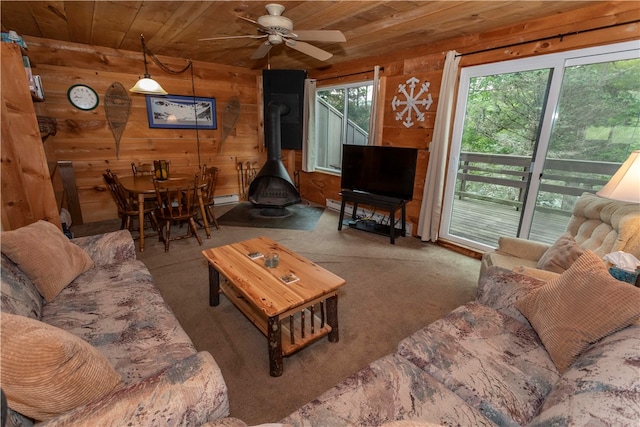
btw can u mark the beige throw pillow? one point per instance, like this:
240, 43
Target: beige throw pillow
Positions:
46, 256
561, 255
579, 307
47, 371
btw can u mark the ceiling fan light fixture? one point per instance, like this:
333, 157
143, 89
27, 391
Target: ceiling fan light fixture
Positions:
275, 39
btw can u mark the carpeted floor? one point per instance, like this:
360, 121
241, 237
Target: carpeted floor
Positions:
297, 217
391, 292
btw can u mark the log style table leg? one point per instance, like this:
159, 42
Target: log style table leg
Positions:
214, 286
332, 318
274, 337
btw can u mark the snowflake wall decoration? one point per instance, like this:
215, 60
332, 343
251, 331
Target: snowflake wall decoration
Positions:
412, 101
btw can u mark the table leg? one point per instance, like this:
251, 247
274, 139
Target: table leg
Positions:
141, 219
392, 226
342, 205
332, 318
203, 213
274, 336
214, 286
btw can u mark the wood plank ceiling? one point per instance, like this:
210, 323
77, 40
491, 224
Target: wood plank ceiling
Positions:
172, 28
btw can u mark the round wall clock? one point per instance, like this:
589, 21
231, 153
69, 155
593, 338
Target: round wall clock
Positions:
83, 97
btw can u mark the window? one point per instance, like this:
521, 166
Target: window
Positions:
531, 135
343, 116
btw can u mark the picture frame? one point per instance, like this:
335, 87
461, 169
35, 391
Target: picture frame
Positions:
176, 112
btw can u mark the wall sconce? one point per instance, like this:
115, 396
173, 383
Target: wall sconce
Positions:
147, 85
624, 185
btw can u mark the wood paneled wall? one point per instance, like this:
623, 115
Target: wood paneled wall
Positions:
27, 193
427, 65
85, 138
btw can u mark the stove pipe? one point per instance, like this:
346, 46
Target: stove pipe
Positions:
272, 187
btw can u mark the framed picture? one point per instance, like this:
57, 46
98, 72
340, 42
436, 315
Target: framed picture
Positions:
181, 112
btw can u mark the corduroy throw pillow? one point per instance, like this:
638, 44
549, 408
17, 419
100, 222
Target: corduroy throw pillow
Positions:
579, 307
47, 371
46, 256
561, 255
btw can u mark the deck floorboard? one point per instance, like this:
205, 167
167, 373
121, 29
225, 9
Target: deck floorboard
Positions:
485, 222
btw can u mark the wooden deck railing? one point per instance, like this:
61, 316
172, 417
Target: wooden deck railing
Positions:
503, 179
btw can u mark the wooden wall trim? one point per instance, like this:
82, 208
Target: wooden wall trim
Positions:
27, 192
70, 192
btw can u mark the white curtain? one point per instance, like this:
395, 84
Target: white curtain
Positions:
374, 123
309, 127
431, 208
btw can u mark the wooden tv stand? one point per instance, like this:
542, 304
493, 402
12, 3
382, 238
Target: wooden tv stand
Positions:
390, 204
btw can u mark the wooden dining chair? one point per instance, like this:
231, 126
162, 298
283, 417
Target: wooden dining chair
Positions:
142, 169
145, 169
177, 203
128, 207
208, 187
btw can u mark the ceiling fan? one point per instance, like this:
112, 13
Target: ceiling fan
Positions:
278, 29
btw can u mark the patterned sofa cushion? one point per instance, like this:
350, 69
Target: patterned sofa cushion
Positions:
108, 248
18, 294
188, 393
603, 384
46, 256
388, 389
494, 362
500, 288
118, 309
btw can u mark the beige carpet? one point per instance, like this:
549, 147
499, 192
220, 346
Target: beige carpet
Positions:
391, 291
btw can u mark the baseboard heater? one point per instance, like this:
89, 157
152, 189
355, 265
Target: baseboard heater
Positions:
226, 199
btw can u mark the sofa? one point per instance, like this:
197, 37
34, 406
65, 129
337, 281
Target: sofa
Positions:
99, 346
598, 224
564, 352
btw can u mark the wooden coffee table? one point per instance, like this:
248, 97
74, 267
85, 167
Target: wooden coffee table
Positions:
291, 315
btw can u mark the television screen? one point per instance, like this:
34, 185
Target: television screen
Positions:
385, 171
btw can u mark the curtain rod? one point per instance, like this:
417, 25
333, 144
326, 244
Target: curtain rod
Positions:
349, 75
561, 36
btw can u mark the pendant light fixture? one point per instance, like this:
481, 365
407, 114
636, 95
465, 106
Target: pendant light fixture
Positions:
147, 85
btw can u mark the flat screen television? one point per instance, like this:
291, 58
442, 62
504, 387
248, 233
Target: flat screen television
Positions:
384, 171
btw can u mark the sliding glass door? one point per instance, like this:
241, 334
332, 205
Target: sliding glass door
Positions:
534, 134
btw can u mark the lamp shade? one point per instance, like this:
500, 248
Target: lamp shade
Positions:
624, 185
148, 86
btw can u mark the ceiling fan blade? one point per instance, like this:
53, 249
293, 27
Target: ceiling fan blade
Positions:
249, 20
262, 50
306, 48
335, 36
235, 37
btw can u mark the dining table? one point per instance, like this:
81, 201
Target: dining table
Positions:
140, 186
